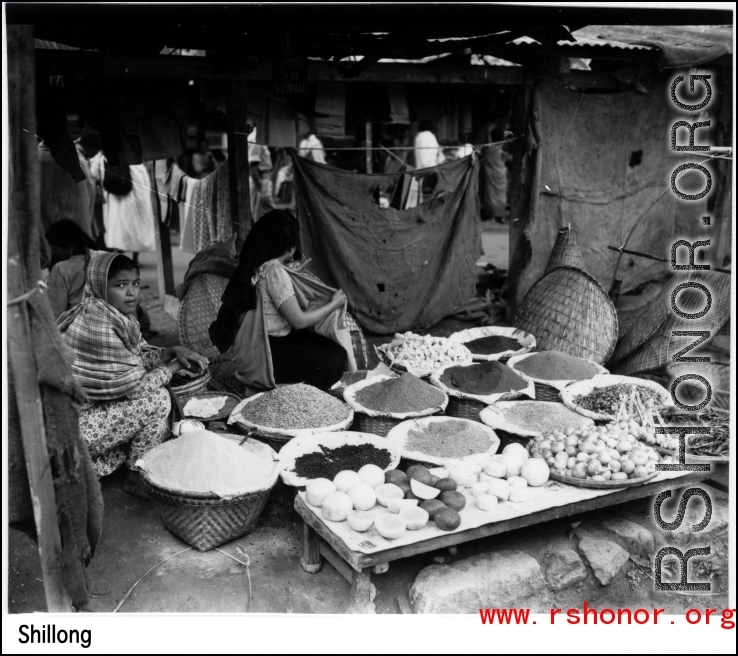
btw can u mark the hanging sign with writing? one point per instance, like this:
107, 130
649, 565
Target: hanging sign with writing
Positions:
289, 75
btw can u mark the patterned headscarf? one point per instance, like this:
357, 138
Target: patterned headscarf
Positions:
107, 343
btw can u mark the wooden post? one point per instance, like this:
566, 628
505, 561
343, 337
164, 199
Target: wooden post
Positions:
165, 267
369, 147
23, 274
238, 161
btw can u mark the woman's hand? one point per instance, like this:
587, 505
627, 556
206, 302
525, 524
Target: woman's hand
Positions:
185, 358
339, 298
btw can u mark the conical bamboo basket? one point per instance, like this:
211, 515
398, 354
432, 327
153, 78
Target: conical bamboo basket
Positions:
566, 251
568, 310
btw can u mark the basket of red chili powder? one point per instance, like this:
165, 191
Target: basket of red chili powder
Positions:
471, 388
552, 371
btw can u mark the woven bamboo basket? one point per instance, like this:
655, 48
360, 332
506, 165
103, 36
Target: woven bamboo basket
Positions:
231, 402
566, 251
658, 318
198, 310
547, 393
196, 385
207, 522
374, 425
464, 408
568, 310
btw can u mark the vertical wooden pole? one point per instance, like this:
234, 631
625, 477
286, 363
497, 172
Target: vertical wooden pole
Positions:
369, 147
238, 161
164, 265
23, 274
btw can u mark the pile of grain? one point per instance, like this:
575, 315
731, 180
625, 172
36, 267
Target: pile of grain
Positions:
493, 344
400, 395
543, 417
326, 463
555, 365
295, 407
448, 439
205, 463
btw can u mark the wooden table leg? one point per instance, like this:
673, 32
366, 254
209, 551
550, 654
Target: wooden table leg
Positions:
311, 560
363, 593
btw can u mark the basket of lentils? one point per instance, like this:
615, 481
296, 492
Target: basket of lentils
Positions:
603, 397
382, 402
291, 411
494, 342
552, 371
471, 388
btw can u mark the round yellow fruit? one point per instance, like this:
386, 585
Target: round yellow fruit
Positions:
362, 495
317, 490
372, 475
345, 480
336, 506
534, 472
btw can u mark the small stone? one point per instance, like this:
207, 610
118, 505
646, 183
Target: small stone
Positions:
633, 537
563, 568
604, 557
496, 580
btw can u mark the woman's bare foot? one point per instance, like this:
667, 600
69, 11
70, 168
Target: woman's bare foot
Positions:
134, 485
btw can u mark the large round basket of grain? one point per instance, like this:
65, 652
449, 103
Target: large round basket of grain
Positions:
552, 371
382, 402
209, 488
532, 418
443, 440
291, 411
473, 387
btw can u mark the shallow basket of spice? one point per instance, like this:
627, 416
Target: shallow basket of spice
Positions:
209, 488
552, 371
291, 411
532, 418
441, 440
494, 342
421, 355
601, 397
382, 402
701, 447
473, 387
323, 456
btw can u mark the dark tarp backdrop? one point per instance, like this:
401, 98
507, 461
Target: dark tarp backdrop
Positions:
400, 269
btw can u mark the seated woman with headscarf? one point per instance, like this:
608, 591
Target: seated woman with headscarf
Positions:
123, 377
286, 327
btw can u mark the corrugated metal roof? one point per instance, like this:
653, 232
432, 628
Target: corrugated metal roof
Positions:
584, 42
677, 35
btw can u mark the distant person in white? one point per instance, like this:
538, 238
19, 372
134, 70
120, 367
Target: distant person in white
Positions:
427, 150
312, 148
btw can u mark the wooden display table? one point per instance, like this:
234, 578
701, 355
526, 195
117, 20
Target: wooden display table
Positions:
319, 541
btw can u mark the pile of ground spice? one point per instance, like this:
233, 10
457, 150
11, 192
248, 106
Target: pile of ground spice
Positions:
483, 379
492, 344
555, 365
606, 400
448, 439
326, 463
547, 418
295, 407
399, 395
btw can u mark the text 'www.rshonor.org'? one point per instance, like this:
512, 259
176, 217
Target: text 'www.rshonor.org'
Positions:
590, 615
681, 356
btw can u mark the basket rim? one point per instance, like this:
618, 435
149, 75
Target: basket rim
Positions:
392, 363
494, 417
221, 414
267, 484
349, 396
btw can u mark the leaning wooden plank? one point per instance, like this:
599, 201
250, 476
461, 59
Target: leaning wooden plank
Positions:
24, 210
334, 559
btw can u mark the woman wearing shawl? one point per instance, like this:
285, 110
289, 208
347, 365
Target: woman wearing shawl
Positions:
285, 327
124, 378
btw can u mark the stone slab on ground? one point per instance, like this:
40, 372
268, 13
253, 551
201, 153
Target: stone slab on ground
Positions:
606, 558
494, 580
716, 529
638, 541
563, 567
